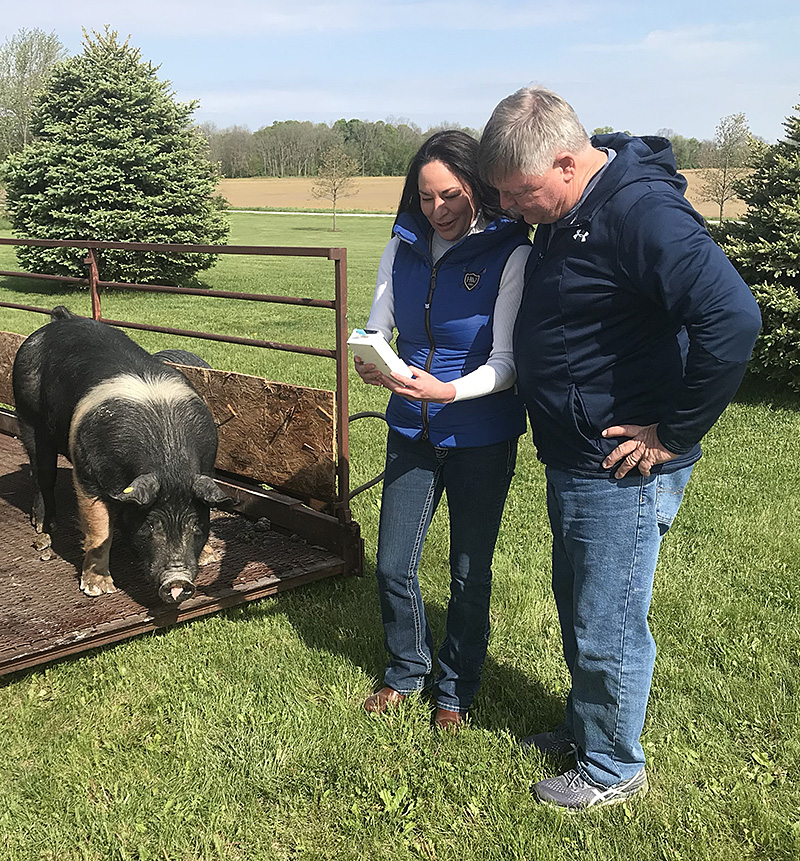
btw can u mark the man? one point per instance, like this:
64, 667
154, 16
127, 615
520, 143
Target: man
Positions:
633, 326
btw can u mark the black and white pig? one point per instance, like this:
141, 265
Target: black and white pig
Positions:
142, 444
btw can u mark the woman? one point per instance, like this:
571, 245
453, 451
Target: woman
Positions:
450, 282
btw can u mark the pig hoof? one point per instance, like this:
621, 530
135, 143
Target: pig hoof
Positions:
42, 524
96, 585
208, 555
42, 542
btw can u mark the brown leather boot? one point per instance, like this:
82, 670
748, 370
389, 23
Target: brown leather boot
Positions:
382, 700
448, 720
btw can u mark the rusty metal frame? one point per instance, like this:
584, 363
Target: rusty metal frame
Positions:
331, 542
341, 508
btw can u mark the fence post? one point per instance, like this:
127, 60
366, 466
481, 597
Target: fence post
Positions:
94, 277
342, 406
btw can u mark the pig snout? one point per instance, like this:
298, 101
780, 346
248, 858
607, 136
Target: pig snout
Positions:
175, 587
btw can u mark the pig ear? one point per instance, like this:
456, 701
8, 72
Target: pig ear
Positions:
206, 490
142, 490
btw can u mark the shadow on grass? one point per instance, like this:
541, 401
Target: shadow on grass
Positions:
755, 391
342, 617
21, 284
321, 229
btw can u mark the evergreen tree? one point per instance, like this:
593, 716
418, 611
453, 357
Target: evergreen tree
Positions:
113, 158
765, 248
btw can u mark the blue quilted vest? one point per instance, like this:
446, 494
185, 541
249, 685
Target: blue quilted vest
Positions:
444, 315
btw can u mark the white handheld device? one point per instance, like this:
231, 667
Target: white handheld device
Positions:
373, 348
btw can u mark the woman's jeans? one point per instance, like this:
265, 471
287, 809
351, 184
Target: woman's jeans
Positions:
606, 537
476, 481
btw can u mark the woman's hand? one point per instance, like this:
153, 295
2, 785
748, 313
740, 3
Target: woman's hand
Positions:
421, 387
369, 373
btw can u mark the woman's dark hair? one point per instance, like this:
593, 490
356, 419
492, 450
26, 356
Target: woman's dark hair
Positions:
459, 152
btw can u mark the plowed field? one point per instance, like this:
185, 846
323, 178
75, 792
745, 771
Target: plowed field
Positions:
381, 193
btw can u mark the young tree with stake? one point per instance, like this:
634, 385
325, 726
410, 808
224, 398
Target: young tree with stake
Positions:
335, 177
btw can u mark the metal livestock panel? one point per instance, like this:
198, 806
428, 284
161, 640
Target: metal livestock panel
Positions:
276, 542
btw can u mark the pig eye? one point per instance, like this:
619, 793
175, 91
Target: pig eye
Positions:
154, 526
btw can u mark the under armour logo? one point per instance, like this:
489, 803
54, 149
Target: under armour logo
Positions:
581, 235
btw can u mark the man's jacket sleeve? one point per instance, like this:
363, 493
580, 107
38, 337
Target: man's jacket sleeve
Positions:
666, 253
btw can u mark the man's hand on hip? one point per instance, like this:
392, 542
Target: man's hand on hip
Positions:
642, 449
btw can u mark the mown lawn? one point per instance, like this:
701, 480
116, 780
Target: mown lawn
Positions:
241, 736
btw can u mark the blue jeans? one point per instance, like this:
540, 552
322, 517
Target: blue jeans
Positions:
606, 537
476, 481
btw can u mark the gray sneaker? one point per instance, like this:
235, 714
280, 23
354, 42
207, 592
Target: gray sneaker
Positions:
557, 742
572, 793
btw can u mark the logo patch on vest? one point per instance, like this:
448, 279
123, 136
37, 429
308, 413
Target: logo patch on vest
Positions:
471, 279
581, 235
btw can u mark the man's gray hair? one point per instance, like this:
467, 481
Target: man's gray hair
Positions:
526, 132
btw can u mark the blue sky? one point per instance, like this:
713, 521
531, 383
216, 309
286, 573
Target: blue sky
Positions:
637, 66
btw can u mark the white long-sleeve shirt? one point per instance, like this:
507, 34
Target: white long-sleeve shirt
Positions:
498, 372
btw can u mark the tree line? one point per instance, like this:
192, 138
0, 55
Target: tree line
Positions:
297, 148
382, 148
385, 148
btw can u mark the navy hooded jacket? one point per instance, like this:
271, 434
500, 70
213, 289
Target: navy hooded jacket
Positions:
613, 298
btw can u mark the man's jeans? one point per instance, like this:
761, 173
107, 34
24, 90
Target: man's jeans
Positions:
606, 536
476, 481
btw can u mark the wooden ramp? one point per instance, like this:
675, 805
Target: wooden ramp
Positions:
44, 615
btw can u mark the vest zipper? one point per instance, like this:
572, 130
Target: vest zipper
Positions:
429, 360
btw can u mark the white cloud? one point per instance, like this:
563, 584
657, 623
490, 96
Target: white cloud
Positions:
708, 46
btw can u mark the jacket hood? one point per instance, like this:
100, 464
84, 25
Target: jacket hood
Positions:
638, 159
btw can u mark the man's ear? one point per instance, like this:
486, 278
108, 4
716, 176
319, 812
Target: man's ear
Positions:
566, 162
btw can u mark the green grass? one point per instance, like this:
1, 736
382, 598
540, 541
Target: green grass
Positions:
241, 736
